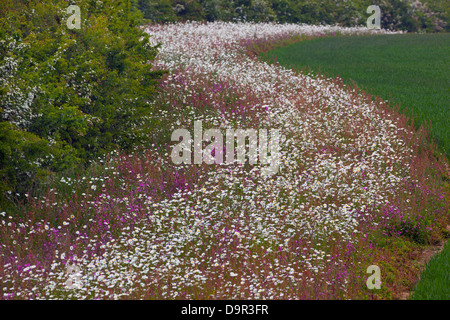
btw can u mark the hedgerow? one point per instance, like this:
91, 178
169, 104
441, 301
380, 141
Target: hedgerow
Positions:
409, 15
68, 95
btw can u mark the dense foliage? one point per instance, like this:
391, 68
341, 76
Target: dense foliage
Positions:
430, 16
69, 95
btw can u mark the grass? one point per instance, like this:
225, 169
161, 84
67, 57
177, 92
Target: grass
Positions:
410, 70
435, 280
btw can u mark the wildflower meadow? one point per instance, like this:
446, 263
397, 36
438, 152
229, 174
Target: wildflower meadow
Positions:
356, 186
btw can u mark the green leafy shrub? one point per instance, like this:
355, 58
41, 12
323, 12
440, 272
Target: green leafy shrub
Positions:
409, 15
223, 10
70, 95
157, 11
188, 10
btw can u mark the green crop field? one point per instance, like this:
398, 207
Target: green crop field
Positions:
410, 70
435, 280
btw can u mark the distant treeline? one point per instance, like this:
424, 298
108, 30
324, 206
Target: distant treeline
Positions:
409, 15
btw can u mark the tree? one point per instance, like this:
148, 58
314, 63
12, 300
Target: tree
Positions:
188, 10
70, 95
222, 10
157, 10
